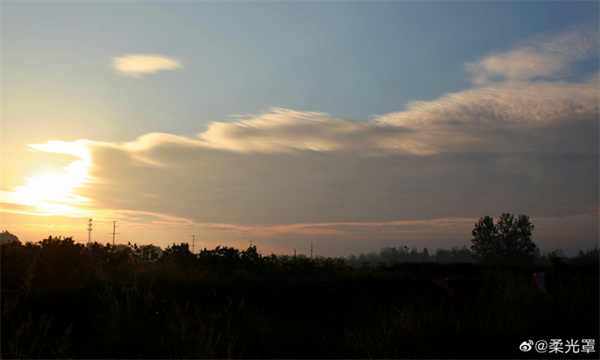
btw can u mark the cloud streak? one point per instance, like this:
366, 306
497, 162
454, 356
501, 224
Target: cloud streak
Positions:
138, 65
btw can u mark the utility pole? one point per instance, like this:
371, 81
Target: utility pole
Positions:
114, 233
311, 250
193, 242
89, 231
294, 253
250, 243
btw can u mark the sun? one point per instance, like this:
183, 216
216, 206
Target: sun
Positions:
55, 193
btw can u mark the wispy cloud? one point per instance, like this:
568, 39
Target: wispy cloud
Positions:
519, 94
545, 57
138, 65
504, 117
285, 130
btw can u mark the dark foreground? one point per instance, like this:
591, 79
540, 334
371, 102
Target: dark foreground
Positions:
69, 302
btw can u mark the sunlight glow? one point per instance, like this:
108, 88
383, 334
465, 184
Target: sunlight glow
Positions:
55, 193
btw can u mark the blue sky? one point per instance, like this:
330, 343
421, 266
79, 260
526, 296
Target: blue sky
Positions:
268, 116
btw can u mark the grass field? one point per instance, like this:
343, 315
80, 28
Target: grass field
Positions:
68, 302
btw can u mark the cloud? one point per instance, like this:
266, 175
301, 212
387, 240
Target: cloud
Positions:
521, 93
285, 131
545, 56
514, 142
138, 65
492, 117
268, 170
352, 230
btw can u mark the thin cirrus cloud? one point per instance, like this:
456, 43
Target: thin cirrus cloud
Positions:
541, 57
138, 65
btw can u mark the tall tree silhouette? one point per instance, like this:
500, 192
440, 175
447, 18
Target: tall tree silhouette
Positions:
506, 241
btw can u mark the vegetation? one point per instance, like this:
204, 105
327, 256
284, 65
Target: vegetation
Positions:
6, 237
506, 241
61, 299
391, 255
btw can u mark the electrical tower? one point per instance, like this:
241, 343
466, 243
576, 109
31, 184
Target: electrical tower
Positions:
89, 231
114, 233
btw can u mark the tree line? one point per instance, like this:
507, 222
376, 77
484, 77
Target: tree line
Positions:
393, 255
53, 260
61, 298
505, 241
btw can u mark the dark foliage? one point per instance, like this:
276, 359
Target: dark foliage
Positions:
61, 299
590, 257
507, 241
6, 237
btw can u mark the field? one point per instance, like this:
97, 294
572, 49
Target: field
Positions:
61, 300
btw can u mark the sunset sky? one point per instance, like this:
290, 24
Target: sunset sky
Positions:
352, 125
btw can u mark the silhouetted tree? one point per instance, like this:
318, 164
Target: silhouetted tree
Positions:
6, 238
461, 255
506, 241
443, 256
390, 255
17, 263
180, 254
145, 254
425, 255
588, 257
58, 263
250, 257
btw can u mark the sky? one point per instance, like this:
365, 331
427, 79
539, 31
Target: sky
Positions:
349, 125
